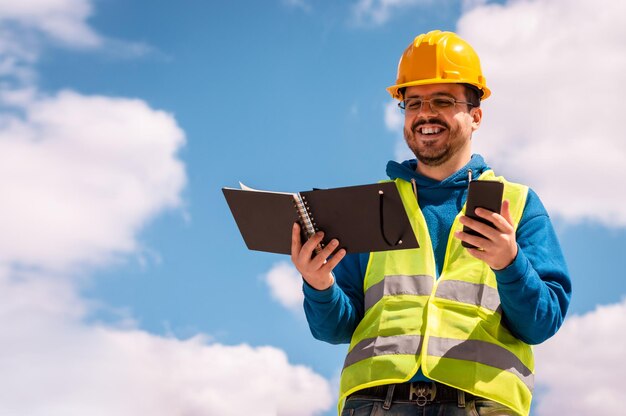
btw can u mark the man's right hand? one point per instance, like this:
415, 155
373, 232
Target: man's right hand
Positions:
315, 270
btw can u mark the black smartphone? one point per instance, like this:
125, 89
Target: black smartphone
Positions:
482, 194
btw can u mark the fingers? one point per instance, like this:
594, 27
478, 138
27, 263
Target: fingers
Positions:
320, 258
297, 248
302, 254
334, 260
501, 221
497, 246
474, 240
479, 254
309, 247
486, 230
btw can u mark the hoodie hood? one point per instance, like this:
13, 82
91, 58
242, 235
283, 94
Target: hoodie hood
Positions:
459, 179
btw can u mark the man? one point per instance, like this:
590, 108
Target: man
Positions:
442, 329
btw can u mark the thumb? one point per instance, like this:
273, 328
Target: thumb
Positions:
296, 244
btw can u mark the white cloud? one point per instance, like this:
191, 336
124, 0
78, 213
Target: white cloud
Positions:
582, 367
61, 20
17, 54
558, 73
394, 121
26, 26
378, 12
55, 364
83, 174
285, 284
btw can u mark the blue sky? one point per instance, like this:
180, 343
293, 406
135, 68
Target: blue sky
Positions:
122, 273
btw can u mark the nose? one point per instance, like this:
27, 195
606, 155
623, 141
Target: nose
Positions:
425, 108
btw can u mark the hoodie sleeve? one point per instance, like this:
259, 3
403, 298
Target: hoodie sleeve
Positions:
333, 314
535, 289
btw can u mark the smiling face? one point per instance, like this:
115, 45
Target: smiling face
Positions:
441, 138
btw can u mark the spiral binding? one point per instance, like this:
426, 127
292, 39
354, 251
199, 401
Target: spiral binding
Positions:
305, 218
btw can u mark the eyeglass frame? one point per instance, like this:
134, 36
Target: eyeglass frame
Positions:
454, 101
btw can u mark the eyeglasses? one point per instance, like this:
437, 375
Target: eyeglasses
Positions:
437, 104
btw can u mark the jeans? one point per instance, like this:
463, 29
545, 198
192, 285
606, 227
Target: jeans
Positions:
366, 406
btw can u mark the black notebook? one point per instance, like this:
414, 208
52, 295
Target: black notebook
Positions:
363, 218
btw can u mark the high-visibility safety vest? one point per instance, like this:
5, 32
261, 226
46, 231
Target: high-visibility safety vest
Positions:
451, 326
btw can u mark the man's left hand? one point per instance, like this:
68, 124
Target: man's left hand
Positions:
498, 247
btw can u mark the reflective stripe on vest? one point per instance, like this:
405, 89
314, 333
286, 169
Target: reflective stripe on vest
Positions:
481, 352
373, 347
407, 319
418, 285
470, 293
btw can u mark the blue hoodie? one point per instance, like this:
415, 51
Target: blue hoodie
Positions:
534, 290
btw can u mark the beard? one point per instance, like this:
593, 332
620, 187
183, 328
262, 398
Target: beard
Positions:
440, 150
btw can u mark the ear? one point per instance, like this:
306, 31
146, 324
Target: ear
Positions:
477, 115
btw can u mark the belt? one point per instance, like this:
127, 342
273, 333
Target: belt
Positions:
420, 392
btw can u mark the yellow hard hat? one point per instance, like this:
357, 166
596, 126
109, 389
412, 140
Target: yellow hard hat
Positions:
439, 57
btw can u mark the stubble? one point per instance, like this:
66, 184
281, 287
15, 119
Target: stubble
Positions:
439, 151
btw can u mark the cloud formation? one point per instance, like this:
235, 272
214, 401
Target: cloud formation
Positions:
64, 21
81, 176
584, 361
394, 121
28, 26
53, 363
547, 64
285, 284
554, 119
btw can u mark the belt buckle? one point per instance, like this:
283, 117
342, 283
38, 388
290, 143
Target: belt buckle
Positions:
424, 392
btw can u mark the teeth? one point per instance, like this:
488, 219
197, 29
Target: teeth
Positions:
431, 130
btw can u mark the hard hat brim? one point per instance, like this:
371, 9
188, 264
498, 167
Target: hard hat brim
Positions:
394, 89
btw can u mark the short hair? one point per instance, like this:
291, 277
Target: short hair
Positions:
472, 94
